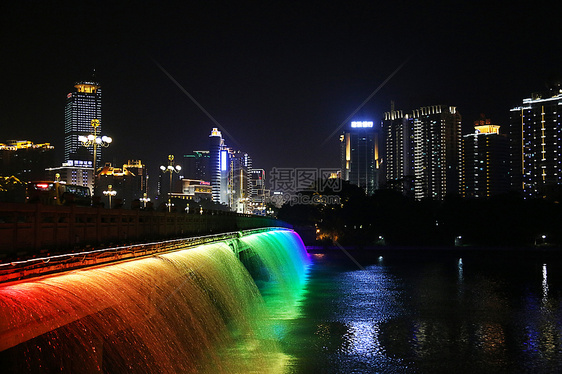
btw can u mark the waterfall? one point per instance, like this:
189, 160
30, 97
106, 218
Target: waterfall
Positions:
192, 310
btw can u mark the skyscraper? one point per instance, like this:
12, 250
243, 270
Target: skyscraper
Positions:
535, 133
423, 151
240, 183
398, 157
81, 108
360, 155
196, 165
258, 191
437, 151
218, 167
485, 171
229, 172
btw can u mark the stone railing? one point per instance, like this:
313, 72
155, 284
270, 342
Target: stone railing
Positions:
32, 229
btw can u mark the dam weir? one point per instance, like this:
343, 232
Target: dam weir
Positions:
197, 309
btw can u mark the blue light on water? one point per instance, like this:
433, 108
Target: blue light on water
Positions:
415, 314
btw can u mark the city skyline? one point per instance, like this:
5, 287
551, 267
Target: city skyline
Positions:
280, 79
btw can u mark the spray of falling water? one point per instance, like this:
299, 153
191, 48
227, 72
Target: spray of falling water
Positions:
193, 310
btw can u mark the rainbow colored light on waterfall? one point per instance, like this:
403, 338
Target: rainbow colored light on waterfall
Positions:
196, 309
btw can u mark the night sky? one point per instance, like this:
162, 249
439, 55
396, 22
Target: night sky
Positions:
280, 77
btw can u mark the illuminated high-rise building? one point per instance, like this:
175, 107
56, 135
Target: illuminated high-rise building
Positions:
240, 183
81, 108
229, 172
535, 132
360, 155
422, 155
219, 162
258, 192
485, 165
196, 165
437, 151
398, 157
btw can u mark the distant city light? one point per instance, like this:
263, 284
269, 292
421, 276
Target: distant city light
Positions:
362, 124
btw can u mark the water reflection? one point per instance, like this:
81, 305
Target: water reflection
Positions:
425, 315
362, 338
368, 299
491, 338
460, 279
544, 285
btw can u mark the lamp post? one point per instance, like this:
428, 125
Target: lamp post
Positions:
94, 140
110, 193
144, 200
171, 168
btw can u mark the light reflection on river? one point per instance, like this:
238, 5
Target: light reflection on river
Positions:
415, 313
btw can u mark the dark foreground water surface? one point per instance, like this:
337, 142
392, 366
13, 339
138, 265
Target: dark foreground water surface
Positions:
428, 312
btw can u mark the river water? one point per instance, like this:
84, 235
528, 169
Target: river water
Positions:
427, 312
373, 311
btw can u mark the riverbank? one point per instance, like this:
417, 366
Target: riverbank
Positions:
458, 251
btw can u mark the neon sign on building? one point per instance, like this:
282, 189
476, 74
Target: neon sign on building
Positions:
362, 124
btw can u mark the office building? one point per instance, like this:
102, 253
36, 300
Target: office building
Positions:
76, 172
535, 133
219, 162
259, 193
194, 190
485, 171
422, 152
240, 183
437, 151
81, 108
398, 152
360, 155
129, 182
229, 172
196, 165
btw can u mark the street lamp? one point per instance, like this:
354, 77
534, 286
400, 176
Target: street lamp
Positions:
110, 193
144, 200
170, 169
94, 140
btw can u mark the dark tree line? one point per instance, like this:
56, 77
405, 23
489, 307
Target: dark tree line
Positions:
388, 217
